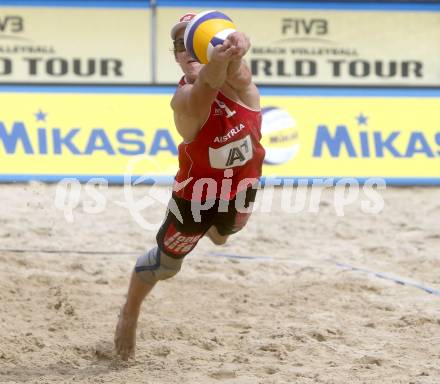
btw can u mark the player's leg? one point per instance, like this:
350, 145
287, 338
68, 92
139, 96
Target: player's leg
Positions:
175, 240
125, 334
150, 268
215, 236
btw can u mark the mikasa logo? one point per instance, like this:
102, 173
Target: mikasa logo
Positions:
231, 133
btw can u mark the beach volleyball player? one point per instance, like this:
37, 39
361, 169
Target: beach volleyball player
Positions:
217, 112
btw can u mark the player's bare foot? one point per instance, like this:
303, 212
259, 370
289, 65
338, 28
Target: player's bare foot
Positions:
125, 335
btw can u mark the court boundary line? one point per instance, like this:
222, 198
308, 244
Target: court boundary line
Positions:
381, 275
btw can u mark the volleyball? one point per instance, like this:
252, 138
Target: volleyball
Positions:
204, 32
279, 135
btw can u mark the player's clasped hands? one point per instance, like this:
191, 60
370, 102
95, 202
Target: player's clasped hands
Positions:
239, 40
234, 47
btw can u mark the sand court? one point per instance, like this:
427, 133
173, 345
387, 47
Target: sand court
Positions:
271, 306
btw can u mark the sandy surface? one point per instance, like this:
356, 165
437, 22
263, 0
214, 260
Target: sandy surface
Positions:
290, 316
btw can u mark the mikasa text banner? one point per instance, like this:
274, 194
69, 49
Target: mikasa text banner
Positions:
103, 134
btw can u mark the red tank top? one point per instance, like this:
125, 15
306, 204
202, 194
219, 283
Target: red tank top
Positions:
226, 155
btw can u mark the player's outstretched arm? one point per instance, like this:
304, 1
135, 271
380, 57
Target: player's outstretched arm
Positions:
192, 102
239, 76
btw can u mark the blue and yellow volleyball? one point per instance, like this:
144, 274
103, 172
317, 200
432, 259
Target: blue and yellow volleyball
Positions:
205, 31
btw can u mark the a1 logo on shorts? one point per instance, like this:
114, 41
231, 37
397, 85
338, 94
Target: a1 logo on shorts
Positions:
177, 243
232, 155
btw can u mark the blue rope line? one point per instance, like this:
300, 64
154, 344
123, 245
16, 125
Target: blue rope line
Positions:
380, 275
397, 280
232, 256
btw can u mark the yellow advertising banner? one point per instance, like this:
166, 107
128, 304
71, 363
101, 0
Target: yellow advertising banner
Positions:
89, 45
295, 45
53, 135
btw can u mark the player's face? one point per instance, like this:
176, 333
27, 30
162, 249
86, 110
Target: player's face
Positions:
190, 67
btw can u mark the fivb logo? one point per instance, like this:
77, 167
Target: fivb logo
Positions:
304, 27
11, 24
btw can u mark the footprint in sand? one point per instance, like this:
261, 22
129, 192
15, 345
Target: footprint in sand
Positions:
224, 373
